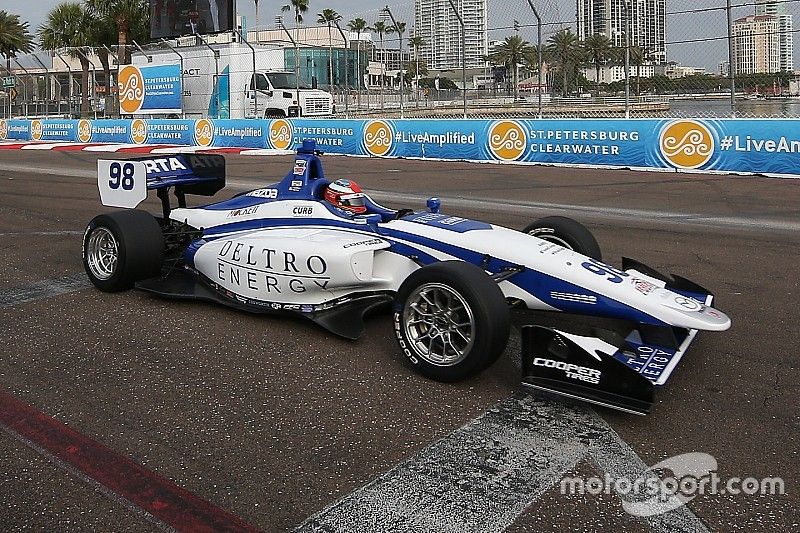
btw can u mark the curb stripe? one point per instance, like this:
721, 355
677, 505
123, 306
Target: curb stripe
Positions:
148, 492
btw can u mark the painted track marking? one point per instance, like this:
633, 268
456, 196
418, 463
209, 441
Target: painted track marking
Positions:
153, 497
42, 289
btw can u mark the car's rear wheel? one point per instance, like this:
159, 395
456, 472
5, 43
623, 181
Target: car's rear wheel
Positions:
122, 248
451, 320
566, 232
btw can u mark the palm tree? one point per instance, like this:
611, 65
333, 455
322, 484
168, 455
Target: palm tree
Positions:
14, 37
511, 53
329, 16
565, 50
599, 50
381, 29
400, 29
416, 42
127, 16
358, 25
638, 57
70, 26
299, 7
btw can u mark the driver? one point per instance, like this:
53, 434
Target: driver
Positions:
346, 195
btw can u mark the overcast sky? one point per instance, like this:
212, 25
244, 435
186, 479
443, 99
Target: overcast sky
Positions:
681, 27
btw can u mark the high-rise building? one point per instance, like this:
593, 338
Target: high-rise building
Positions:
756, 46
607, 17
777, 8
440, 30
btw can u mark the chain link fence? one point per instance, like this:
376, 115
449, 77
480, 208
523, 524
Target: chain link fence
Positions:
682, 71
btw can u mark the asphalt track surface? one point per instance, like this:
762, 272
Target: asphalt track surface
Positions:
282, 425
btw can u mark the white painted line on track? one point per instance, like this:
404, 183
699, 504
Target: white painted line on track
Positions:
109, 147
598, 213
266, 151
40, 233
482, 476
42, 289
45, 146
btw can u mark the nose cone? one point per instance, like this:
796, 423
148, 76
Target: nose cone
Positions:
694, 314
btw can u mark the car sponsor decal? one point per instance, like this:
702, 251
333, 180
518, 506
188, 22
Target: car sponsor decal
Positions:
272, 194
299, 167
302, 210
243, 211
643, 286
572, 371
457, 224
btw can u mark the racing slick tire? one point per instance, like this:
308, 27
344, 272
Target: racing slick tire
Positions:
566, 232
451, 320
122, 248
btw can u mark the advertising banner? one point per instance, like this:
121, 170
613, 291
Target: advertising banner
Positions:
766, 146
150, 90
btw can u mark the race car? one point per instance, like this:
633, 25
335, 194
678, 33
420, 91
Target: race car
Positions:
327, 252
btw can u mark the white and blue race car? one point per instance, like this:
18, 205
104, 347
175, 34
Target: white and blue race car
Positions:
450, 281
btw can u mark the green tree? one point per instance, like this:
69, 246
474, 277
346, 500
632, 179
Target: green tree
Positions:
127, 16
511, 53
299, 7
399, 29
565, 50
381, 29
70, 26
14, 37
329, 16
417, 42
358, 25
599, 51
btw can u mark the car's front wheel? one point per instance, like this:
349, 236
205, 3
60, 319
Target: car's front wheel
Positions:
566, 232
451, 320
122, 248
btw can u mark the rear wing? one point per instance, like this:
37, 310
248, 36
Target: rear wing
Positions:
125, 182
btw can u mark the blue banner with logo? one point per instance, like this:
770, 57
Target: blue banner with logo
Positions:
767, 146
150, 89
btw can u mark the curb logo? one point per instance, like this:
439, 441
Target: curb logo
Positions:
280, 134
378, 137
84, 131
507, 140
138, 131
131, 89
203, 132
686, 144
3, 129
36, 130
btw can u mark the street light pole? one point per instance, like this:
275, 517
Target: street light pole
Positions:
627, 5
731, 58
463, 55
346, 68
279, 22
400, 36
539, 51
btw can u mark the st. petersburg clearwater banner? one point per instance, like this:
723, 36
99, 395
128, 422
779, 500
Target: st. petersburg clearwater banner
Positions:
769, 146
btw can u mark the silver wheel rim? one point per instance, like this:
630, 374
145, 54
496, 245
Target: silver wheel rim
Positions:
102, 252
439, 325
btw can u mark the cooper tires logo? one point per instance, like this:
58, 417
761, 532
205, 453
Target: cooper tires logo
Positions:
138, 131
507, 140
204, 132
84, 131
3, 129
378, 138
36, 130
686, 144
131, 89
280, 134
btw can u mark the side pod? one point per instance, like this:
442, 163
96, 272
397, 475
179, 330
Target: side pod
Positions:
582, 368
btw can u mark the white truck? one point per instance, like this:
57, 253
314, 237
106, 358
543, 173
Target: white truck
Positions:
229, 87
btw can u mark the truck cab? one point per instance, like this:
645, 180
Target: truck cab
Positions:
281, 94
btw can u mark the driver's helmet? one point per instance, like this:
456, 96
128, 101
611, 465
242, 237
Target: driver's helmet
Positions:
347, 195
